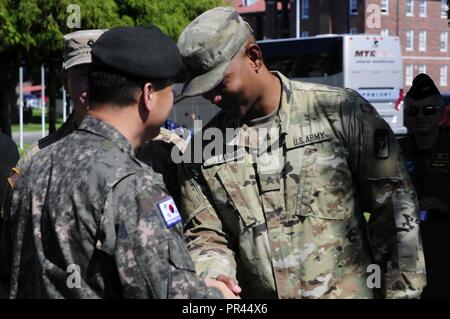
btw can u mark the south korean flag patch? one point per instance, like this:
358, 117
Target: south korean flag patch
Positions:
169, 212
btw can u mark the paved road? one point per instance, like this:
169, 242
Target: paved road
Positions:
28, 137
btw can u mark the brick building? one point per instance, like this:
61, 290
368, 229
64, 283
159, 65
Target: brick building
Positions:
422, 26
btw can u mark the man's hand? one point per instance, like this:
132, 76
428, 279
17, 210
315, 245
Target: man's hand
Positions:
227, 293
231, 284
433, 204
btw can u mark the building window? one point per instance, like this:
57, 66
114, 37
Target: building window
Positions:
423, 68
444, 9
443, 75
384, 32
353, 7
304, 34
409, 40
384, 6
305, 9
247, 3
409, 74
410, 8
353, 30
444, 41
423, 8
422, 40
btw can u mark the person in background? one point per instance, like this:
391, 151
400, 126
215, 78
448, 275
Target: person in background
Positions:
76, 60
8, 158
77, 57
426, 151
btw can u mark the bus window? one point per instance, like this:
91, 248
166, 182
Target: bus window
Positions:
304, 59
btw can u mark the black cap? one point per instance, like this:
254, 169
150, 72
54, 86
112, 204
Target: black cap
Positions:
422, 87
140, 52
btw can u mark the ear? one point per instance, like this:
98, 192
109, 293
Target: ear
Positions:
254, 54
147, 96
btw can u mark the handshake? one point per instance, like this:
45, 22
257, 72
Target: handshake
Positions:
227, 286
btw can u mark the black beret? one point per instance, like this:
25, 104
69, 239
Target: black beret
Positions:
422, 87
140, 52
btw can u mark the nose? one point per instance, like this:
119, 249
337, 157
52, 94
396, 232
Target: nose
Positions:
420, 114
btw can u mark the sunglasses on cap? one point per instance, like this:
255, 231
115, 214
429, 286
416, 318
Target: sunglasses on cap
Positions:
426, 110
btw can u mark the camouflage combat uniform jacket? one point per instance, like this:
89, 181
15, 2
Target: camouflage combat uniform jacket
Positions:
67, 128
298, 231
85, 223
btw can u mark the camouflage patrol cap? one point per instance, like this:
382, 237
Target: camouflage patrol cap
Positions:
207, 46
77, 47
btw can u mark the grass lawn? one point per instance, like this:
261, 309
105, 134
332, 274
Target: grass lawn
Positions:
32, 127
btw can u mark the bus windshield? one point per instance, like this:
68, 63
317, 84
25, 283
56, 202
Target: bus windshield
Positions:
312, 60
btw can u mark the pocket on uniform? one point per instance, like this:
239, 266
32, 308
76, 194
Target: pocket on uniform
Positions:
324, 189
233, 190
179, 257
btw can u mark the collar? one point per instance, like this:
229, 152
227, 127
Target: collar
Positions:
96, 126
284, 110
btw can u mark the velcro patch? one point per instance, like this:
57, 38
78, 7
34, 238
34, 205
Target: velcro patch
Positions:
13, 176
300, 141
169, 212
381, 144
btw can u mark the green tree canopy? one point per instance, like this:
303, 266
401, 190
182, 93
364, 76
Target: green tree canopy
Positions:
32, 33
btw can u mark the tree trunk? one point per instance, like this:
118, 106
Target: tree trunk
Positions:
8, 98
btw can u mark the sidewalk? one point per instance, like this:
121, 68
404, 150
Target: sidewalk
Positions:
28, 137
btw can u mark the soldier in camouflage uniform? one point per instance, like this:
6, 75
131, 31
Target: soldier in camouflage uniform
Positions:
88, 219
77, 57
280, 206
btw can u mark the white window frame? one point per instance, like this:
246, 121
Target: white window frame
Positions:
353, 7
443, 38
423, 5
422, 41
247, 3
410, 14
384, 3
409, 74
444, 9
304, 34
409, 48
423, 68
443, 75
305, 9
384, 32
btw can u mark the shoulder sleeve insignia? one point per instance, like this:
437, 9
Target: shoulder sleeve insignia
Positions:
169, 211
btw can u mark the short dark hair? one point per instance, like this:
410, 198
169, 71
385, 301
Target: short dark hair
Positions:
117, 89
107, 85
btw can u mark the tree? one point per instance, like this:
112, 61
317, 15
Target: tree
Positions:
32, 33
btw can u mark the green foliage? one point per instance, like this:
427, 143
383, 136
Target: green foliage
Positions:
30, 25
171, 16
31, 31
